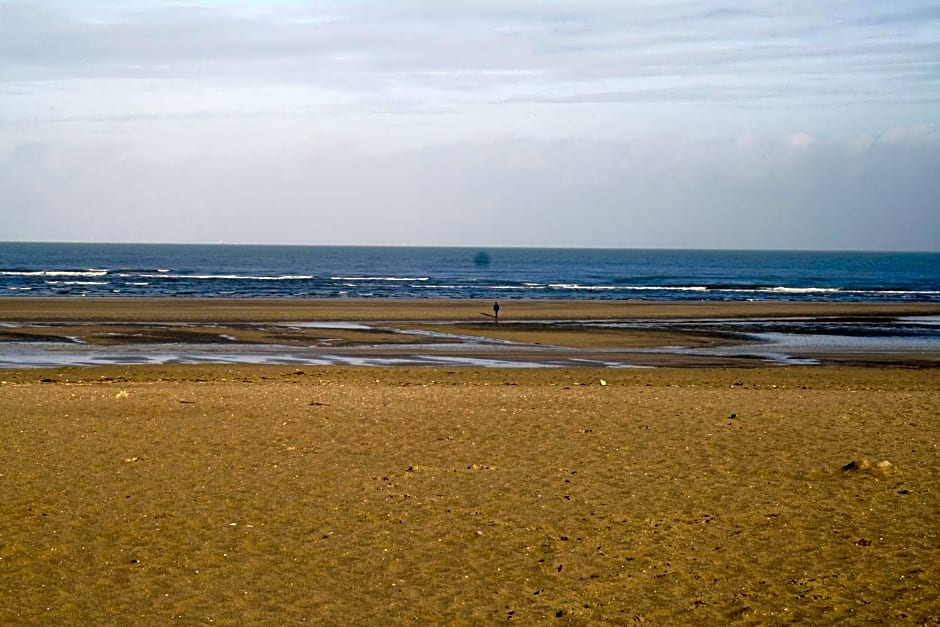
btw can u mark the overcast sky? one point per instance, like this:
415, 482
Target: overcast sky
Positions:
811, 124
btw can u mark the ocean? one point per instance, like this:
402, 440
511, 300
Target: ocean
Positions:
211, 271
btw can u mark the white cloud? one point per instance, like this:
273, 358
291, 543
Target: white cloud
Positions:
916, 133
801, 140
747, 140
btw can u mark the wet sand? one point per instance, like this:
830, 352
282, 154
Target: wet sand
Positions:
277, 495
410, 332
280, 310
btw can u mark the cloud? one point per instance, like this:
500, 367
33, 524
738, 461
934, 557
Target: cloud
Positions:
801, 140
590, 51
657, 191
596, 122
918, 133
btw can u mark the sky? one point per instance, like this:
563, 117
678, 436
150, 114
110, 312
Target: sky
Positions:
811, 124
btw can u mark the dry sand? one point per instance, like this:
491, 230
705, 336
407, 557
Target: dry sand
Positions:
270, 495
374, 496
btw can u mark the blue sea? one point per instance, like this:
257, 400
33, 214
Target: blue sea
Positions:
150, 270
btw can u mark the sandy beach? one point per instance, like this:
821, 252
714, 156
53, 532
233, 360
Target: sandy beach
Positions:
386, 309
93, 331
234, 494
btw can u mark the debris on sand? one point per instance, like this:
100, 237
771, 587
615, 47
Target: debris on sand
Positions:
882, 467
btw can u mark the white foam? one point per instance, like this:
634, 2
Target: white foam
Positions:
231, 277
379, 278
55, 273
666, 288
799, 290
826, 290
576, 286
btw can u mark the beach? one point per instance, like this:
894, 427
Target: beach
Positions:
434, 332
234, 494
51, 309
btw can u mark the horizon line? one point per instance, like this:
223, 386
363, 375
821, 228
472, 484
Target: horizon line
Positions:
481, 247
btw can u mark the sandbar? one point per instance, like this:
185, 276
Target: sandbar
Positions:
48, 309
415, 332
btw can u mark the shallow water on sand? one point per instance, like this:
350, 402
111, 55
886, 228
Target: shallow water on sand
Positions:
775, 341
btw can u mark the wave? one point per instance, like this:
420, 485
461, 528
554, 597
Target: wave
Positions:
766, 289
666, 288
829, 290
136, 272
378, 278
230, 277
577, 286
76, 282
91, 272
798, 290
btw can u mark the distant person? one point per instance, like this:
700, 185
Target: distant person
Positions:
496, 312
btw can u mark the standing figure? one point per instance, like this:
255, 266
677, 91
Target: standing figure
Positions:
496, 312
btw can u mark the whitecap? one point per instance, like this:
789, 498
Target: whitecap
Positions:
54, 273
231, 277
576, 286
379, 278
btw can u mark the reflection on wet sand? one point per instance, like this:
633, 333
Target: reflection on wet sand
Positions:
531, 343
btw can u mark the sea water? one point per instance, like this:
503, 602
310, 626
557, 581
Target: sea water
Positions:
206, 271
